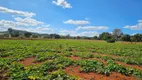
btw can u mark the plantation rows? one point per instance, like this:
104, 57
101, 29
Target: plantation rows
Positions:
52, 57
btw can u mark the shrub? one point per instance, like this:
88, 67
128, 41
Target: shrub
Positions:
111, 40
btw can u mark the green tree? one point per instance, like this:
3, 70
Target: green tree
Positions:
27, 34
35, 36
137, 37
54, 36
10, 31
117, 33
126, 37
15, 34
105, 36
95, 37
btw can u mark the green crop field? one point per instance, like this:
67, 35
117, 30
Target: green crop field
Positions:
69, 60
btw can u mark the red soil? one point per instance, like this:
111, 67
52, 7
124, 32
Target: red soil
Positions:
74, 51
75, 71
127, 65
103, 61
29, 61
113, 56
74, 58
121, 63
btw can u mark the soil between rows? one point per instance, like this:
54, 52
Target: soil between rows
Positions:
75, 71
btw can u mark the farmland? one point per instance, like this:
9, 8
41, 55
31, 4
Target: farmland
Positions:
69, 60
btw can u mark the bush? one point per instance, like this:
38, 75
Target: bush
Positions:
111, 40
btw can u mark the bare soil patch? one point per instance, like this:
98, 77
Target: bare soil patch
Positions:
127, 65
121, 63
113, 56
74, 58
29, 61
75, 71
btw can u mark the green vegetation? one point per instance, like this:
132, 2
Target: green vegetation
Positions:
96, 66
53, 56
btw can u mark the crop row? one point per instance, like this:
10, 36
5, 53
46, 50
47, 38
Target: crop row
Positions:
96, 66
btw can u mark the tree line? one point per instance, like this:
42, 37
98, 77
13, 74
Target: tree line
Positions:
116, 35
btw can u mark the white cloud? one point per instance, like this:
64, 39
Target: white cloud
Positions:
28, 21
135, 27
66, 32
3, 29
111, 32
133, 34
75, 33
43, 29
89, 34
16, 12
7, 24
140, 21
26, 24
92, 28
62, 3
77, 22
36, 29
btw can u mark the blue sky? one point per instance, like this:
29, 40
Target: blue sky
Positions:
74, 17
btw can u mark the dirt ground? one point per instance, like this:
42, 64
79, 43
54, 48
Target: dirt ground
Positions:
75, 71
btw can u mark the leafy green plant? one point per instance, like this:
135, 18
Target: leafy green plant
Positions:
91, 66
59, 75
84, 55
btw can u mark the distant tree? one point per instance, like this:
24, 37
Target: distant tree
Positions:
112, 40
15, 34
78, 37
62, 37
10, 31
137, 37
47, 36
105, 36
67, 36
117, 33
132, 38
54, 36
27, 34
57, 36
86, 37
95, 37
126, 37
35, 36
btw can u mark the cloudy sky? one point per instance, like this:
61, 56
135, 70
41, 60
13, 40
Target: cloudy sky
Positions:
74, 17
